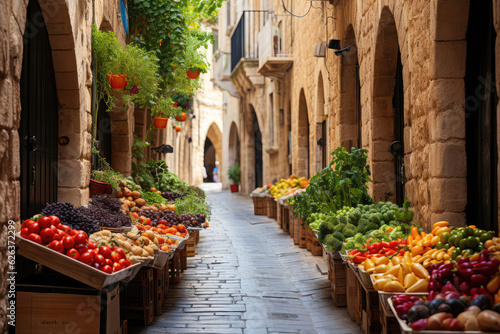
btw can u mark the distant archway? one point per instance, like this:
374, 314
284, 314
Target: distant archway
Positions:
388, 114
234, 146
214, 138
302, 168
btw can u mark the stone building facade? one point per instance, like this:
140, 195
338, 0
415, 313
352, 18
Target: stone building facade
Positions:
410, 76
45, 110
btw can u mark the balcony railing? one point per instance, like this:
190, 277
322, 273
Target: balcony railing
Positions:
275, 49
245, 38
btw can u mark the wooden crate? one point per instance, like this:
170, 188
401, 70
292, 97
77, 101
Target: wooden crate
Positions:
309, 240
279, 213
166, 281
138, 297
338, 274
175, 268
370, 309
296, 230
196, 237
302, 235
271, 207
159, 289
317, 248
284, 218
291, 228
259, 206
191, 245
352, 295
183, 258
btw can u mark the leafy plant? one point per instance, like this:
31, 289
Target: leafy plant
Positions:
234, 174
164, 107
192, 204
182, 98
108, 176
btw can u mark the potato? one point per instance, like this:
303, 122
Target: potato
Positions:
150, 250
125, 207
119, 194
127, 192
130, 198
140, 202
106, 233
136, 250
150, 234
489, 321
158, 192
127, 246
171, 207
153, 190
136, 194
144, 253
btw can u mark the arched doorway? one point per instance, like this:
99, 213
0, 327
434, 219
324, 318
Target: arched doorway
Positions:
234, 146
350, 91
481, 102
257, 149
303, 166
38, 131
213, 152
388, 115
321, 127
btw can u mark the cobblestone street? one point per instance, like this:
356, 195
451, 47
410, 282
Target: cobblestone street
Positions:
249, 277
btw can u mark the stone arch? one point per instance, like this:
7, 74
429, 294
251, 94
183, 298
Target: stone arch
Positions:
234, 145
215, 136
382, 132
350, 104
302, 166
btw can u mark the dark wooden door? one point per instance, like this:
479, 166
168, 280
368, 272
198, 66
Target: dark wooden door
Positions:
480, 118
398, 104
258, 152
39, 119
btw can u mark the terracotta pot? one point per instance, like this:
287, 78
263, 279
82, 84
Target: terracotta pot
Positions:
193, 75
117, 81
178, 128
98, 187
234, 188
160, 122
182, 117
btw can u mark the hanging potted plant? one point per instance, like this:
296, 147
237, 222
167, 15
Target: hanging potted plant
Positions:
103, 182
162, 111
194, 61
234, 174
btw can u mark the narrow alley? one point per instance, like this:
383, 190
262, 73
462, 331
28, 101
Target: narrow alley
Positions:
249, 277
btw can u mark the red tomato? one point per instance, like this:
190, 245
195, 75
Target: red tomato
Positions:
121, 252
34, 228
82, 248
65, 228
62, 233
100, 259
87, 258
105, 251
58, 236
109, 262
82, 232
47, 235
80, 239
54, 220
44, 222
57, 246
68, 242
92, 245
26, 223
73, 233
25, 232
115, 257
116, 267
35, 238
162, 222
124, 263
73, 253
107, 269
148, 221
96, 265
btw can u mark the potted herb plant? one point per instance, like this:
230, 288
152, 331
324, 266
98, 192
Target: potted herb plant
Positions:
234, 174
162, 111
103, 182
194, 61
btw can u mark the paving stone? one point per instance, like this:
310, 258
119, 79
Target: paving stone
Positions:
249, 278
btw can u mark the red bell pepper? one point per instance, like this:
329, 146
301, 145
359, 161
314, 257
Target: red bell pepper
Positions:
359, 259
487, 268
478, 280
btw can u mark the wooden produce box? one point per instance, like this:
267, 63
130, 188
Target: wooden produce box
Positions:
284, 218
291, 223
388, 321
159, 289
296, 230
175, 266
352, 295
279, 213
302, 234
51, 306
259, 206
271, 207
139, 296
370, 309
338, 273
191, 244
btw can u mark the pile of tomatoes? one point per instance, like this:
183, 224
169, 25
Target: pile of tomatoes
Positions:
48, 231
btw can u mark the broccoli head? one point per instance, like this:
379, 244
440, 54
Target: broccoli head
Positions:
333, 219
343, 220
325, 228
367, 227
332, 244
375, 218
339, 227
355, 216
339, 236
349, 230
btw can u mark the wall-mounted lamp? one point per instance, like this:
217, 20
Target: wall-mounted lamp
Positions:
334, 44
339, 52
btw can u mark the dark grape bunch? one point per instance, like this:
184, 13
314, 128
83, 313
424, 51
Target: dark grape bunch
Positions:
107, 203
171, 196
105, 217
71, 217
172, 218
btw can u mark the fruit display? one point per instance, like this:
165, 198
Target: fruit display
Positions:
286, 186
378, 250
50, 232
106, 211
466, 240
163, 229
171, 218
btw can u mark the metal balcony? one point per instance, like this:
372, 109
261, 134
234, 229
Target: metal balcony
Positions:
275, 50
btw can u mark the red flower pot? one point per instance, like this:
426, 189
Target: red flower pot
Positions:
182, 117
117, 81
98, 187
193, 75
234, 188
160, 122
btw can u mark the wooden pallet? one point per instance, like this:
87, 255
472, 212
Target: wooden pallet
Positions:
159, 289
138, 297
338, 273
259, 206
271, 207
